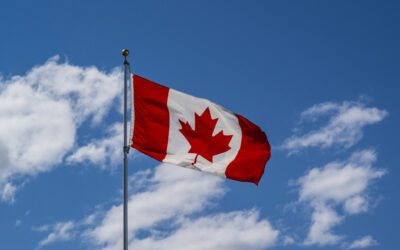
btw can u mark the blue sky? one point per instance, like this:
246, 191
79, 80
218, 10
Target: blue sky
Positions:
320, 77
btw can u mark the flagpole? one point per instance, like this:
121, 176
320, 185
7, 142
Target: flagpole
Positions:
125, 54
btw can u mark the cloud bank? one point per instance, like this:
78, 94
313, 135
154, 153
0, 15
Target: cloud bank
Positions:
40, 113
167, 212
103, 152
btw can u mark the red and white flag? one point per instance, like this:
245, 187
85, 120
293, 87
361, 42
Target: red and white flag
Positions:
191, 132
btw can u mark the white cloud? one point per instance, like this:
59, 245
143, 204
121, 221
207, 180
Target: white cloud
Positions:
104, 152
41, 111
324, 218
35, 130
288, 240
340, 181
173, 194
61, 231
64, 230
224, 231
90, 91
318, 110
344, 127
7, 192
166, 213
364, 242
337, 184
169, 193
356, 204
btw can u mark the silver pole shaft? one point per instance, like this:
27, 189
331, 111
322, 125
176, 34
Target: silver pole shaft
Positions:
126, 150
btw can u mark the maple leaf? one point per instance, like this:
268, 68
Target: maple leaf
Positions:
201, 138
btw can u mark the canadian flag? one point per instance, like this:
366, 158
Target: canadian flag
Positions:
191, 132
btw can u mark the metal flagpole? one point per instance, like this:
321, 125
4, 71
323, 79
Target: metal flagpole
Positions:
125, 54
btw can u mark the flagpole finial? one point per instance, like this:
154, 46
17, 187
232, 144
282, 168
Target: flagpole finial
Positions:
125, 52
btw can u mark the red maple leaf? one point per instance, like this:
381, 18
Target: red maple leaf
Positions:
201, 138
